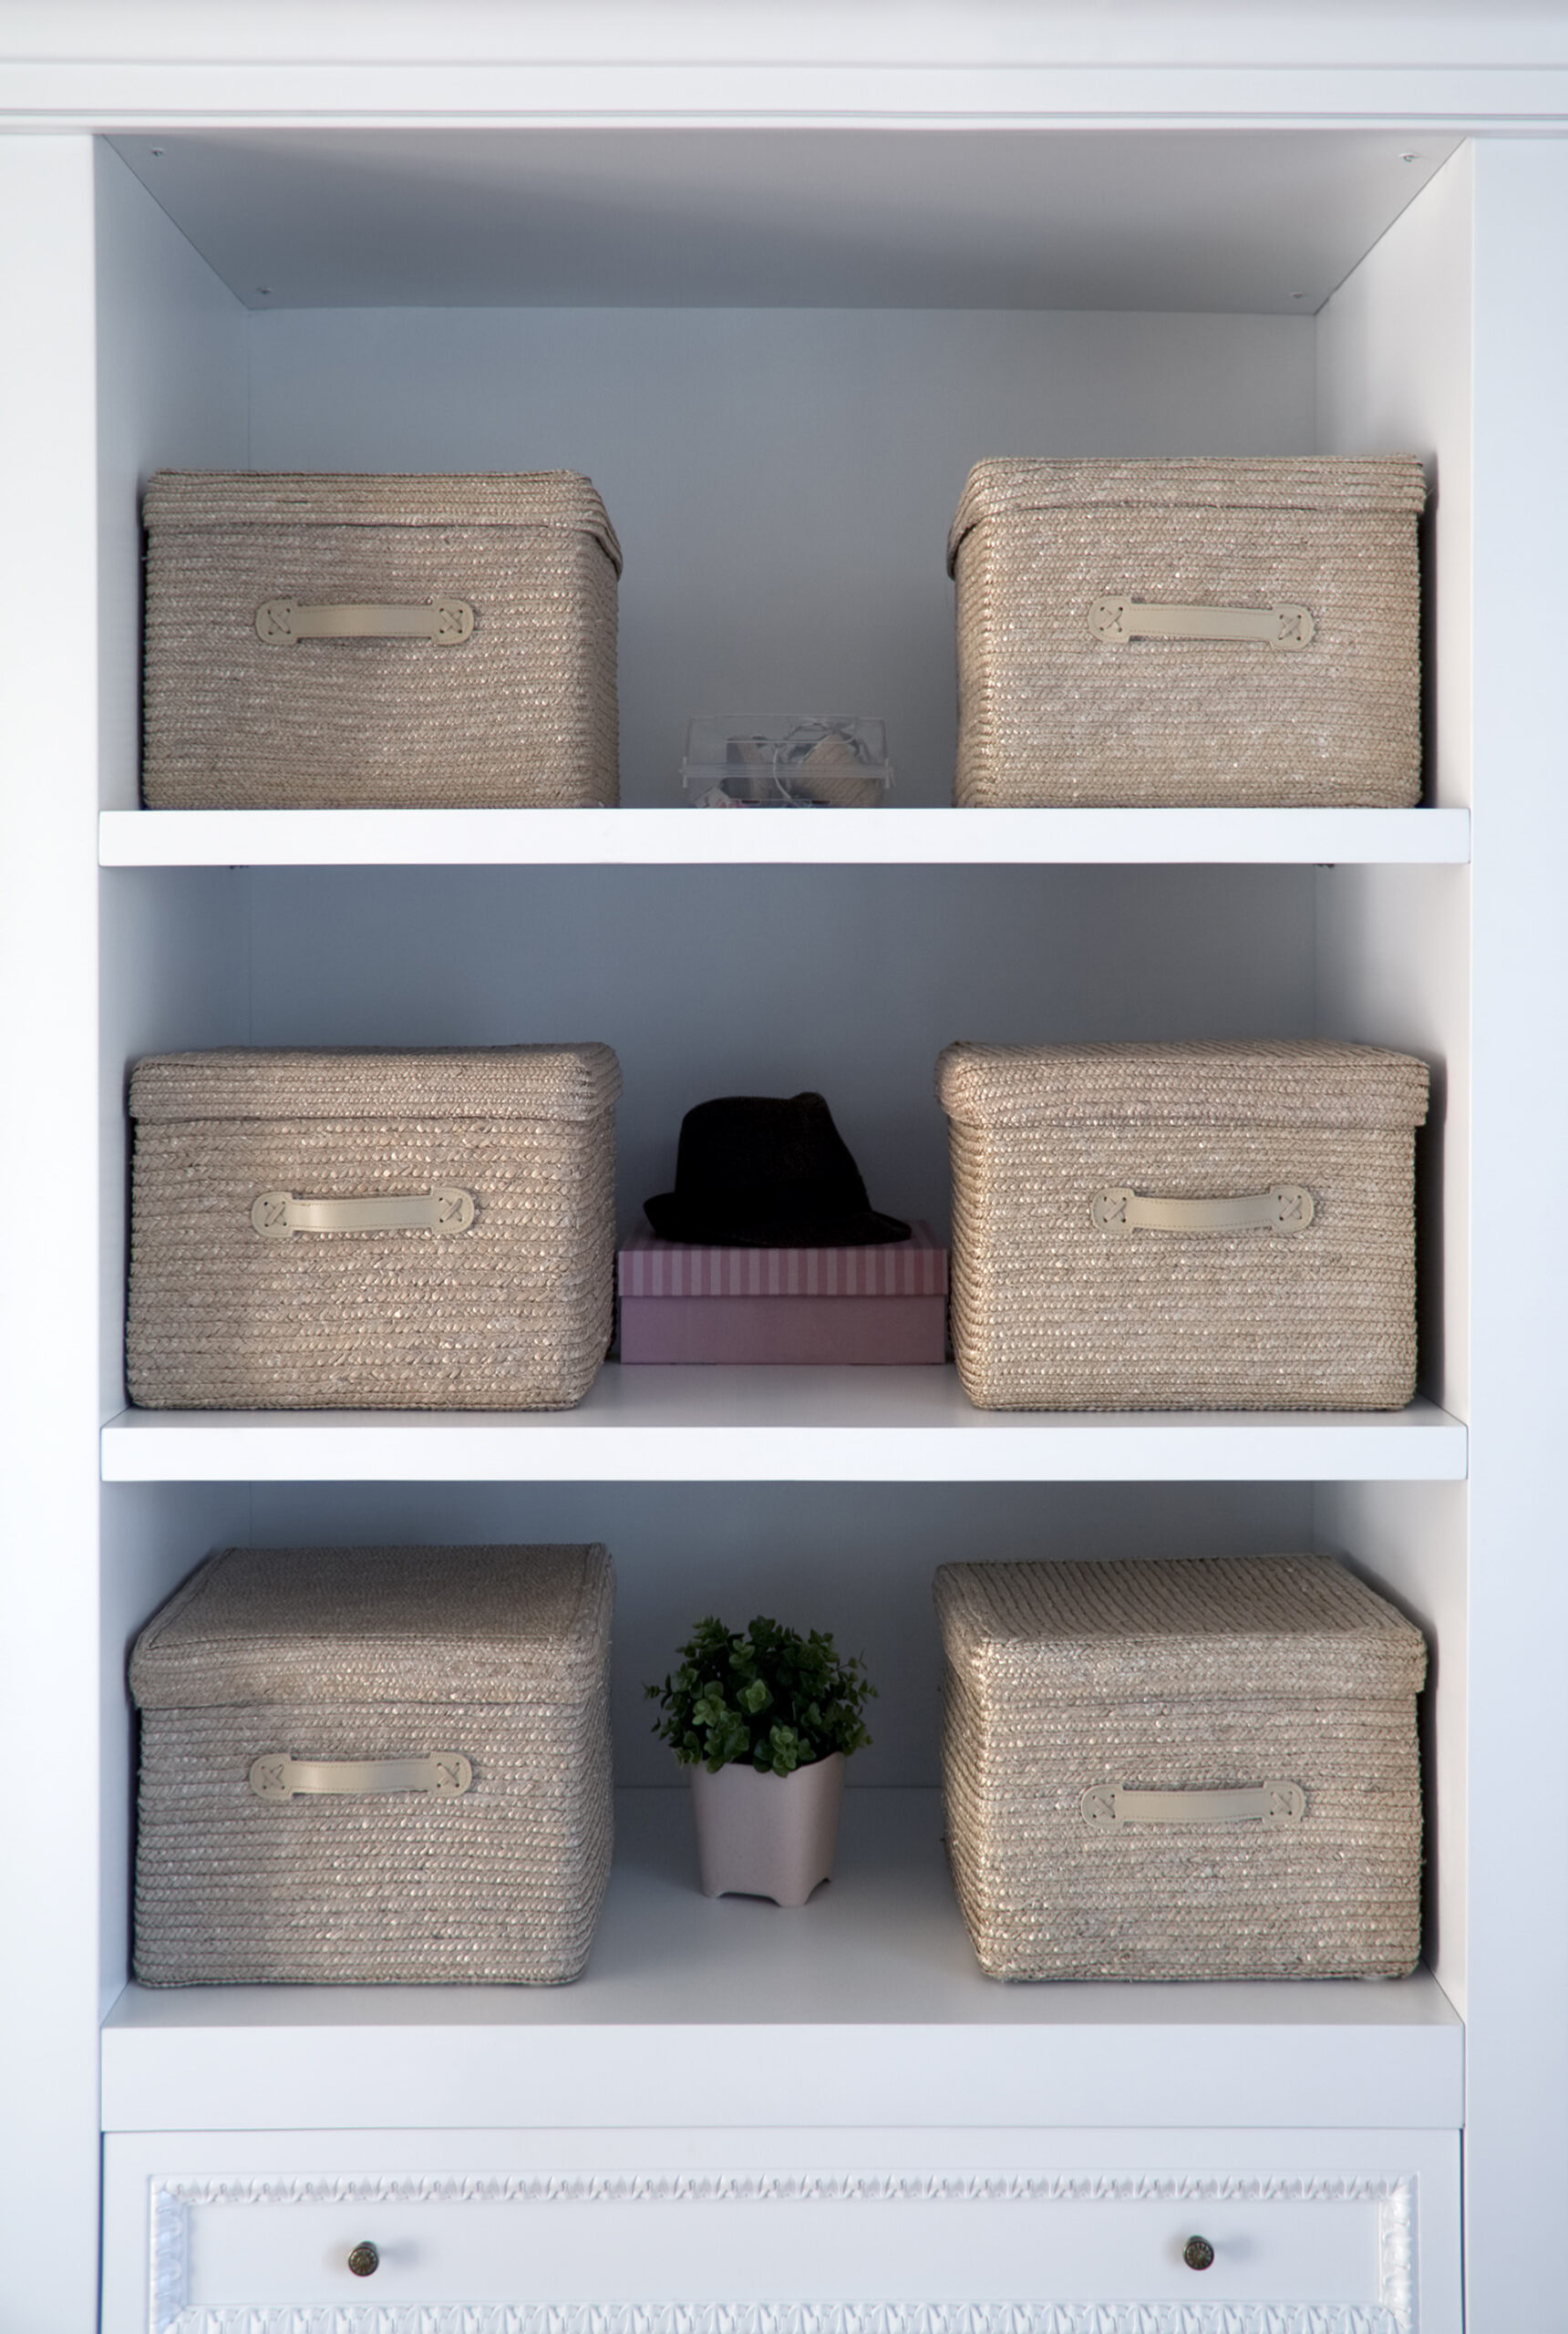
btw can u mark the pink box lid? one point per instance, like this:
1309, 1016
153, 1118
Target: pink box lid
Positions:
648, 1267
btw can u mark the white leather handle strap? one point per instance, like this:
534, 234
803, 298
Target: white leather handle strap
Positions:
1271, 1805
1283, 1207
443, 1774
1118, 619
279, 623
278, 1216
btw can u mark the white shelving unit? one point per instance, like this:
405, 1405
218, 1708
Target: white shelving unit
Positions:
776, 308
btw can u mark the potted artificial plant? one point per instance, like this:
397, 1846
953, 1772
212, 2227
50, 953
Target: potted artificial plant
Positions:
764, 1721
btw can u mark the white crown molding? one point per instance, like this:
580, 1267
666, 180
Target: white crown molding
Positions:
102, 65
1522, 34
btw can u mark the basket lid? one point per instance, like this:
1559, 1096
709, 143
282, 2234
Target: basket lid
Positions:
380, 1625
536, 1082
1295, 1629
563, 499
998, 487
1286, 1082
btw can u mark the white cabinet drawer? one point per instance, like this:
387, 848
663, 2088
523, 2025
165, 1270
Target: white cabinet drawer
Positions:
747, 2232
780, 2237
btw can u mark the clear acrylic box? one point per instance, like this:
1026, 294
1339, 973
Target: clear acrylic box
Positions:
786, 762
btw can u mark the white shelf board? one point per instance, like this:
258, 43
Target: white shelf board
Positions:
680, 837
865, 2007
697, 1425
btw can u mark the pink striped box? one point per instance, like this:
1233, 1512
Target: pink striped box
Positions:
754, 1306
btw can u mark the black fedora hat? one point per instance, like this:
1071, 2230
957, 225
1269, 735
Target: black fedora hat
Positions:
754, 1171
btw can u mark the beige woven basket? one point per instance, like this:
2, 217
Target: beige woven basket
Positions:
1196, 1226
372, 1231
386, 1765
1189, 631
318, 642
1182, 1769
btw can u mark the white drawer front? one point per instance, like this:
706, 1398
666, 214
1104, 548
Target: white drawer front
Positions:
900, 2250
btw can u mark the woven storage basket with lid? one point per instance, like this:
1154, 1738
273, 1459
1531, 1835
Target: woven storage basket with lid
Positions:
1190, 1226
328, 640
375, 1764
1200, 1768
372, 1231
1189, 631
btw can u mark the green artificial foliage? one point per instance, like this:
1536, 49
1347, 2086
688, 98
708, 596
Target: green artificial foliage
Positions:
766, 1697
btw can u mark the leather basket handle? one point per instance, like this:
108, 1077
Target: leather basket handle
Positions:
1283, 1207
282, 623
441, 1774
1272, 1804
445, 1210
1116, 620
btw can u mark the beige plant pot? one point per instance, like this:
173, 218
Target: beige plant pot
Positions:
768, 1836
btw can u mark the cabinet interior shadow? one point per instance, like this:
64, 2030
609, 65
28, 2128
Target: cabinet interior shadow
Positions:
856, 1559
723, 981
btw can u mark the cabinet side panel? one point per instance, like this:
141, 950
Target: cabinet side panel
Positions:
171, 366
171, 356
1408, 1540
48, 1522
1394, 374
174, 954
1394, 377
1517, 2048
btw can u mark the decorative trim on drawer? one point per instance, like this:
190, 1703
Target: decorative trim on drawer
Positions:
798, 2317
1394, 2313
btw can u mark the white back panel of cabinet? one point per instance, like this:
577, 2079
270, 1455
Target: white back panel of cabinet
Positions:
847, 981
857, 1559
781, 480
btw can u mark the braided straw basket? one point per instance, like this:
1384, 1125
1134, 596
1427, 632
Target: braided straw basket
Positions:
1182, 1769
1189, 631
372, 1231
375, 1765
320, 642
1193, 1226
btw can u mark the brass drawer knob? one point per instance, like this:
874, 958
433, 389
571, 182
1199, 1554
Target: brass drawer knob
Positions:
1198, 2253
364, 2260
